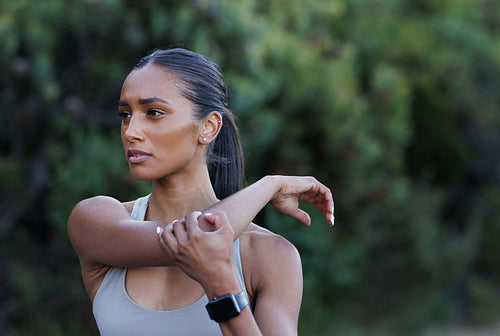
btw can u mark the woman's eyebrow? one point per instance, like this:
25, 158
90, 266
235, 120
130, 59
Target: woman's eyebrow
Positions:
153, 100
145, 101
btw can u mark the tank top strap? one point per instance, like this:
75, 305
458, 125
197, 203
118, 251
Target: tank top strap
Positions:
140, 208
237, 265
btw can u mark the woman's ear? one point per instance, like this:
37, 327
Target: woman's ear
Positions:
211, 126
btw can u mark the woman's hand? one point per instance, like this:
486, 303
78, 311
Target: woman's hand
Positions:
294, 188
204, 256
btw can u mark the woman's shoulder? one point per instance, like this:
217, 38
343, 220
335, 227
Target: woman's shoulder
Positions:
269, 259
260, 247
257, 237
94, 202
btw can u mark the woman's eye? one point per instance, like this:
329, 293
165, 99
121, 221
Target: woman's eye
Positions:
154, 113
124, 115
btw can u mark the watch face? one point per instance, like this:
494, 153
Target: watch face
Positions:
224, 308
227, 307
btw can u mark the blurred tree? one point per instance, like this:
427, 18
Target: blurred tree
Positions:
393, 103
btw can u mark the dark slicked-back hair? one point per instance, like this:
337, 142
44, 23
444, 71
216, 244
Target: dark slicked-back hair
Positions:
203, 84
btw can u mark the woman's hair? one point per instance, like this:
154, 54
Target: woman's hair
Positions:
203, 84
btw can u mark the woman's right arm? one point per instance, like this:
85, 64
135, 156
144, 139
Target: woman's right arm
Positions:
103, 233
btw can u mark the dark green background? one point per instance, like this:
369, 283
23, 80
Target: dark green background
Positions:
394, 104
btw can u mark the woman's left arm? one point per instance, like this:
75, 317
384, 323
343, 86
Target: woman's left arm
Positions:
275, 265
276, 281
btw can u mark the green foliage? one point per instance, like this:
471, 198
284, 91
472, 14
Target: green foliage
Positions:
394, 104
484, 298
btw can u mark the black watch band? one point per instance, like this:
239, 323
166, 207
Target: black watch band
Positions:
226, 307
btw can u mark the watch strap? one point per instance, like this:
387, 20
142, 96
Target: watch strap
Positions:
242, 300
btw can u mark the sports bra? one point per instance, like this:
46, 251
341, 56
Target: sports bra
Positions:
117, 314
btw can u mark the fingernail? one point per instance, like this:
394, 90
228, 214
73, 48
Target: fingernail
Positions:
158, 230
208, 214
332, 220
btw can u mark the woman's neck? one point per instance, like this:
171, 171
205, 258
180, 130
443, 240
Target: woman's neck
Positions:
174, 197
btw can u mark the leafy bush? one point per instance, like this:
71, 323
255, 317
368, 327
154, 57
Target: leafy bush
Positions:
391, 103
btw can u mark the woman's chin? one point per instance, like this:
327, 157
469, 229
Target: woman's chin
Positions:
143, 179
141, 176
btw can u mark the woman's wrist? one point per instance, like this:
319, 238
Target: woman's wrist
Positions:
274, 182
222, 283
279, 184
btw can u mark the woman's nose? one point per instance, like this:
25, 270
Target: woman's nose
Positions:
133, 131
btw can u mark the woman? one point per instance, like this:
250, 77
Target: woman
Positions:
147, 277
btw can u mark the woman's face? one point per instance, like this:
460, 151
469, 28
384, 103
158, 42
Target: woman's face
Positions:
159, 131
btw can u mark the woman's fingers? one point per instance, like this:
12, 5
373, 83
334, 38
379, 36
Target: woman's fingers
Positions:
330, 206
322, 198
191, 223
221, 224
180, 232
301, 216
324, 201
167, 240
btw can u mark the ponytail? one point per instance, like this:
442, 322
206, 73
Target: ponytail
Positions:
225, 159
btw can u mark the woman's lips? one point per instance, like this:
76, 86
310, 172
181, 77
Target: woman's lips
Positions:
136, 156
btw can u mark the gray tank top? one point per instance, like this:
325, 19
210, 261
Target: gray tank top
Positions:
117, 314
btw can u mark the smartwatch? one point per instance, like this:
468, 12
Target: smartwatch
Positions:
226, 307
